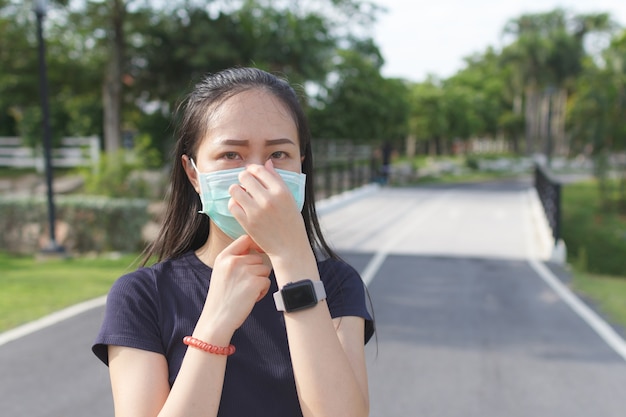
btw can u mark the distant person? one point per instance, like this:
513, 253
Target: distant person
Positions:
386, 152
215, 328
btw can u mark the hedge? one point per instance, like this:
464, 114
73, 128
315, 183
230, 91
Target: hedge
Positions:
83, 223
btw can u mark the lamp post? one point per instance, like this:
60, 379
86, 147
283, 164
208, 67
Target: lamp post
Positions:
39, 7
550, 94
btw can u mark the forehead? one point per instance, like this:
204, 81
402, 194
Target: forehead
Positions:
256, 107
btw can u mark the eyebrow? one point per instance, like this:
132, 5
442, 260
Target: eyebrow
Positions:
269, 142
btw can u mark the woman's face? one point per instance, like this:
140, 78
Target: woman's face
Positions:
250, 128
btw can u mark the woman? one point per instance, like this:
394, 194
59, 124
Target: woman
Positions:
215, 328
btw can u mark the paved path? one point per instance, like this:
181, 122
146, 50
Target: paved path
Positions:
469, 323
467, 326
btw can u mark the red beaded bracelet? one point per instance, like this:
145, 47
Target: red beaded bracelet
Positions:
207, 347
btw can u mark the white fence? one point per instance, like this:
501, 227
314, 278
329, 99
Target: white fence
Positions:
73, 152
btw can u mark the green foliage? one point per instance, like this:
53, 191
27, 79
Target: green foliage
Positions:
71, 112
95, 224
163, 49
549, 47
361, 105
595, 238
127, 173
427, 118
166, 48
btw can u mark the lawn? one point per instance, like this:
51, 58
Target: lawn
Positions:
608, 293
30, 288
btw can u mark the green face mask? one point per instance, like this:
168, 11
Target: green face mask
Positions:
214, 195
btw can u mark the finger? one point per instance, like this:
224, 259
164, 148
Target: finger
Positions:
240, 246
264, 176
252, 182
237, 209
269, 165
239, 197
264, 291
255, 247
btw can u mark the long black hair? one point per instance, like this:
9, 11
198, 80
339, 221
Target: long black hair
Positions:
183, 228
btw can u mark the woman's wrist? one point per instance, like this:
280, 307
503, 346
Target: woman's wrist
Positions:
213, 333
292, 268
208, 347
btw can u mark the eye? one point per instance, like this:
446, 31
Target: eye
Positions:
279, 155
231, 156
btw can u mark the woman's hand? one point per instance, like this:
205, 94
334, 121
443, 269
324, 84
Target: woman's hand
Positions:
267, 210
239, 280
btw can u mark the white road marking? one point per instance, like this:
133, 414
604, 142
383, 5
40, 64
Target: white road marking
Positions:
379, 257
599, 325
50, 320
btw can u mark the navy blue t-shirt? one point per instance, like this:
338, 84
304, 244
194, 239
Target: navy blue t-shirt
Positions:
154, 308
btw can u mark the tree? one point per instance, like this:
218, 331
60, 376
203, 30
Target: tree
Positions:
130, 62
17, 64
99, 29
70, 97
427, 118
358, 103
547, 56
597, 116
476, 97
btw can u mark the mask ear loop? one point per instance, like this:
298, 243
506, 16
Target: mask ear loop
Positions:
193, 164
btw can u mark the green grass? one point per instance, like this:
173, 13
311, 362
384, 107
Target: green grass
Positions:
31, 288
607, 292
466, 177
463, 173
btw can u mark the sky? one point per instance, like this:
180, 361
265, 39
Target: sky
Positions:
418, 37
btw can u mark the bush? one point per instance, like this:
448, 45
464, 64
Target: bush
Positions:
84, 223
134, 173
595, 237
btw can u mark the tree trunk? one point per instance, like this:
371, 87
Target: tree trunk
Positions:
112, 86
410, 146
438, 147
530, 116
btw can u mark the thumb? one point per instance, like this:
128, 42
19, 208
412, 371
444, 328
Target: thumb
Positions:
240, 246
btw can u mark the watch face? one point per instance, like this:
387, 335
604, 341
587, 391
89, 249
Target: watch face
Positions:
299, 295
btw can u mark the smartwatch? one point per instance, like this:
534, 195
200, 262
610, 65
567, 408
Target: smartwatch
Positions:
299, 295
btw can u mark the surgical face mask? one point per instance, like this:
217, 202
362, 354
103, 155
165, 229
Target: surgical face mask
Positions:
214, 195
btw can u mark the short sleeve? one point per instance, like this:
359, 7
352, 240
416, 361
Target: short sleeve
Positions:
131, 315
346, 293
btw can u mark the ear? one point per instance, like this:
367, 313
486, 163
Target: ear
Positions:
192, 174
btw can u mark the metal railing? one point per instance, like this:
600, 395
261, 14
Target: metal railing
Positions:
549, 191
341, 166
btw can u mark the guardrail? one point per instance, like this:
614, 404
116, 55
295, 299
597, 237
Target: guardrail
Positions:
341, 166
73, 152
549, 191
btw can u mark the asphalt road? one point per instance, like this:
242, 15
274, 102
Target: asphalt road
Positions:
466, 325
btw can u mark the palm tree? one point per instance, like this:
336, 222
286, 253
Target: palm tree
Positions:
545, 58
